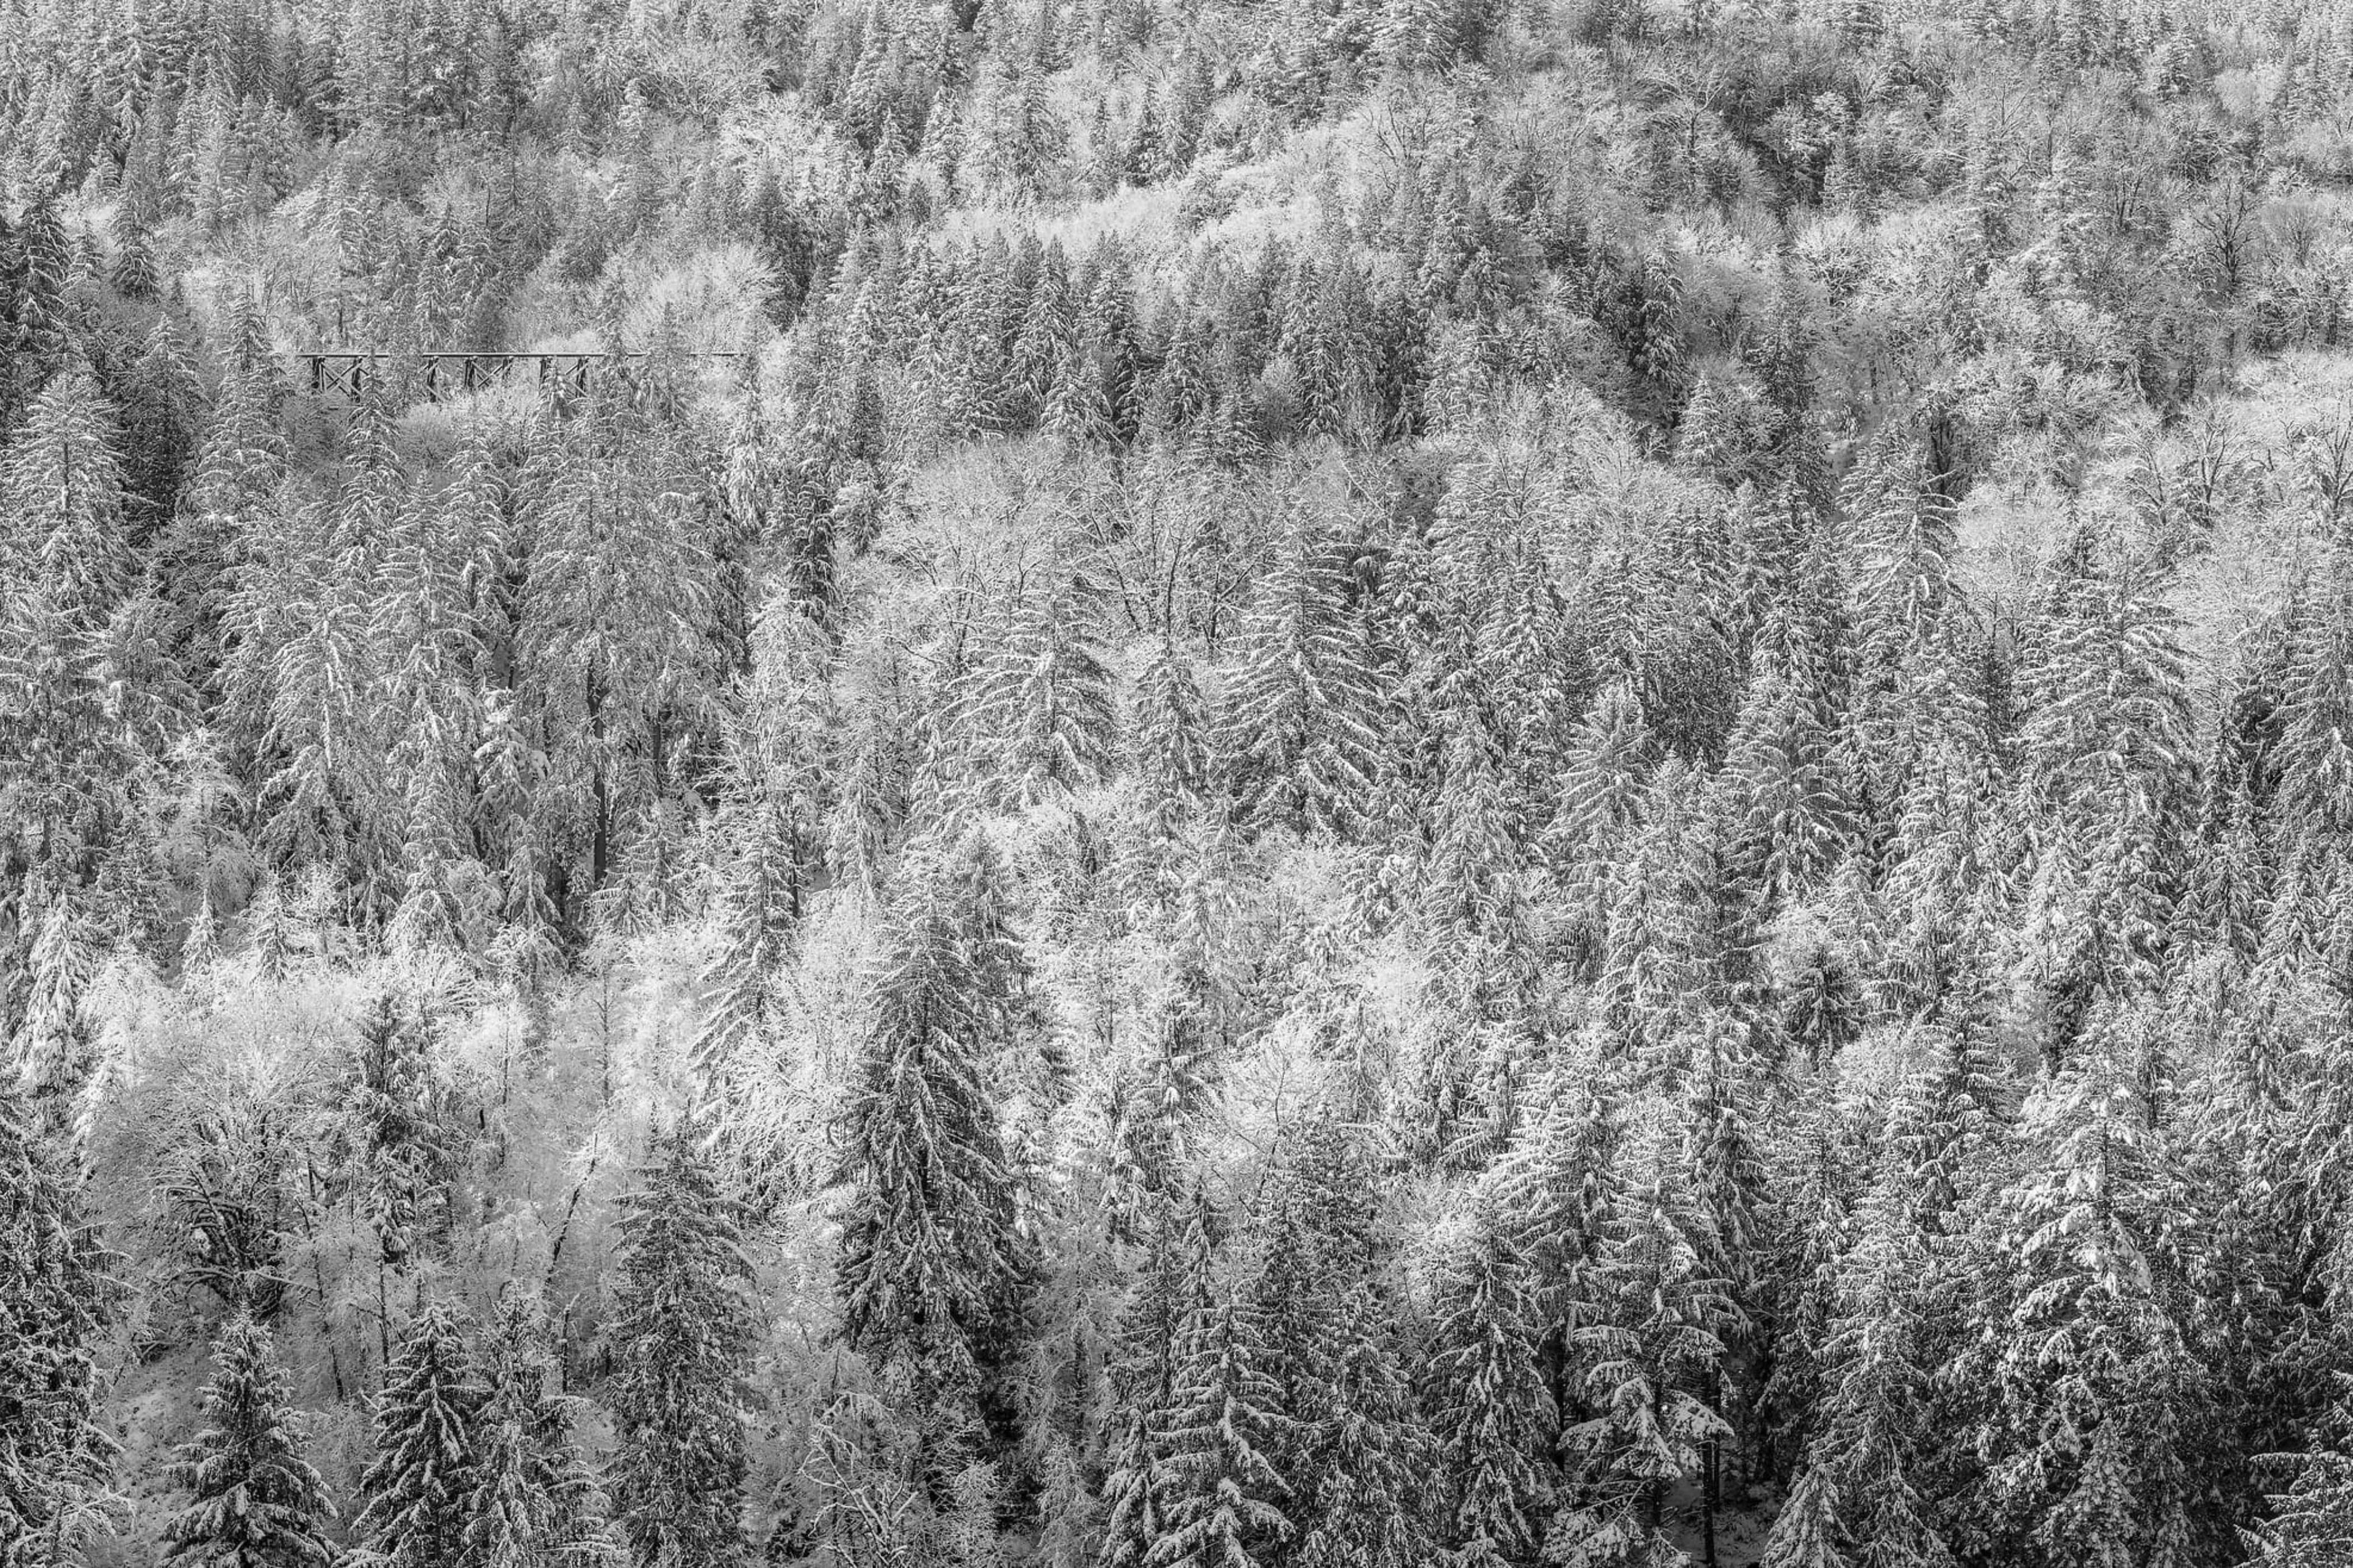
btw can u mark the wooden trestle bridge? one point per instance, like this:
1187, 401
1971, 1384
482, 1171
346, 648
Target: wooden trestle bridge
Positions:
447, 373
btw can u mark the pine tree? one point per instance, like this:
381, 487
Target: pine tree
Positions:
618, 638
2082, 1394
238, 468
1558, 1180
1607, 758
2315, 743
1141, 1480
1805, 1534
61, 482
254, 1500
681, 1338
416, 1493
58, 1299
2105, 767
1489, 1412
1303, 1252
535, 1502
1169, 738
772, 828
928, 1253
1368, 1508
52, 1051
1790, 814
1647, 1363
2312, 1522
66, 692
1299, 730
1043, 706
1226, 1505
1859, 1498
1470, 884
393, 1131
1939, 882
161, 418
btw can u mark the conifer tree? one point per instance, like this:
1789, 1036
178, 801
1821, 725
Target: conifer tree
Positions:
774, 823
1489, 1411
1369, 1507
254, 1500
1558, 1180
1141, 1480
2312, 1522
1646, 1363
1790, 814
2087, 1404
51, 1056
1607, 757
2105, 765
58, 1298
535, 1502
61, 479
1043, 705
1226, 1507
1872, 1343
2315, 743
617, 635
393, 1131
682, 1342
1299, 726
416, 1494
1471, 885
928, 1255
237, 469
1169, 738
1938, 890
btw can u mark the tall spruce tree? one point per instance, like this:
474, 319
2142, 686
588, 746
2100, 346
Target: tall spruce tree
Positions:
1141, 1481
58, 1298
929, 1257
681, 1340
1225, 1503
1488, 1408
416, 1494
1648, 1363
536, 1502
1299, 728
254, 1500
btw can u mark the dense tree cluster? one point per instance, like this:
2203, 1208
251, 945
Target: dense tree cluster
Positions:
1321, 784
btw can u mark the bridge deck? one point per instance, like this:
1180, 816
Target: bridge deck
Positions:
454, 372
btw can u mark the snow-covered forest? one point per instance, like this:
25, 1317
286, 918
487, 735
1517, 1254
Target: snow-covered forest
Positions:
1243, 784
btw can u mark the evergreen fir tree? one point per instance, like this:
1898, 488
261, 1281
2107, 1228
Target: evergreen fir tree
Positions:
1647, 1363
1043, 705
1299, 726
2312, 1522
58, 1299
928, 1254
771, 837
1141, 1480
52, 1050
535, 1503
2105, 763
681, 1341
1226, 1505
2087, 1402
1170, 738
1489, 1412
416, 1493
254, 1500
1368, 1508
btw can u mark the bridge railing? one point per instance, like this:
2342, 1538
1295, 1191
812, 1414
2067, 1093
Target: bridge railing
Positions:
447, 373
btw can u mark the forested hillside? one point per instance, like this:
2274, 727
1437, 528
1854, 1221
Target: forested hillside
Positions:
1298, 784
